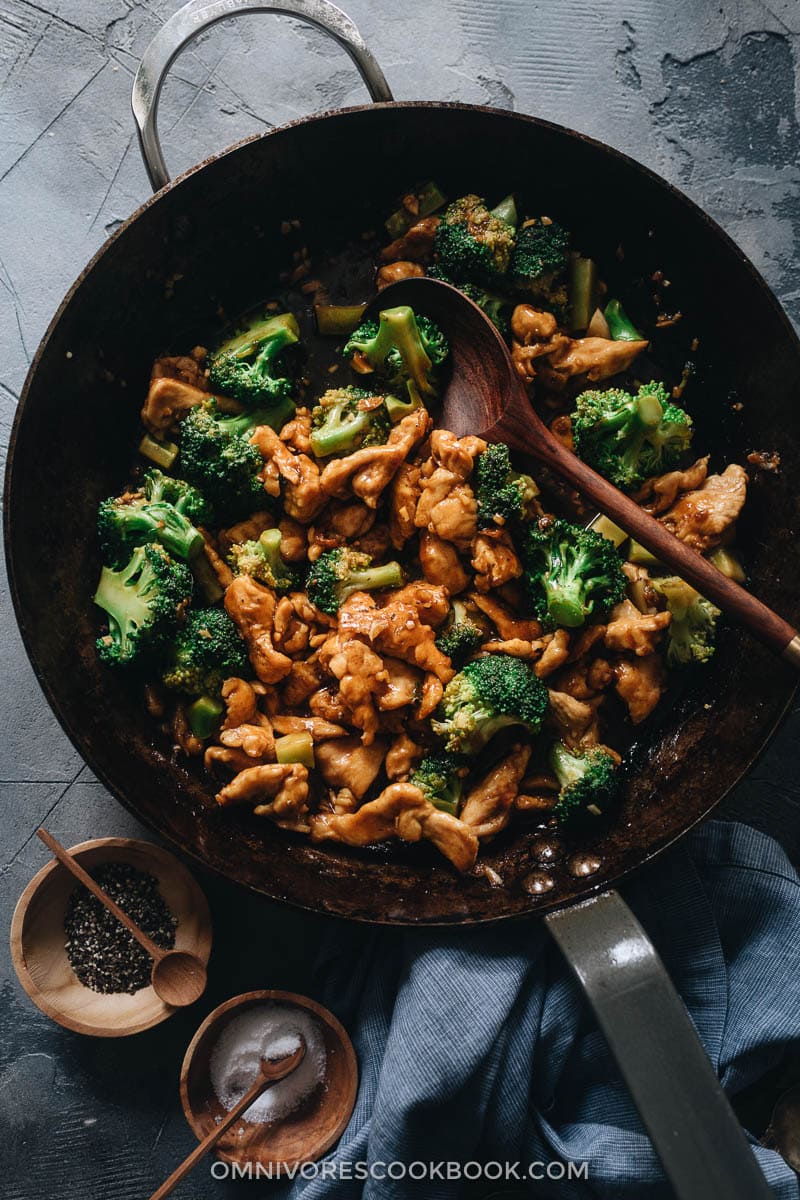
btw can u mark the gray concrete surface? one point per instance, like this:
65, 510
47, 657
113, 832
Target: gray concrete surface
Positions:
704, 91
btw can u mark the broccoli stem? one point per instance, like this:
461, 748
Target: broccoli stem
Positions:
506, 211
337, 320
204, 716
397, 329
582, 292
163, 454
295, 748
373, 579
564, 608
620, 326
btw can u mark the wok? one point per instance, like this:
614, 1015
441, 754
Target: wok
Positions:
210, 240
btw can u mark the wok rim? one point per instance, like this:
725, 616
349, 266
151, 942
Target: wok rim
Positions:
78, 739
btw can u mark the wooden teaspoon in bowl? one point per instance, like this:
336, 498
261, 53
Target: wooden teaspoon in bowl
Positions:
486, 397
178, 977
270, 1072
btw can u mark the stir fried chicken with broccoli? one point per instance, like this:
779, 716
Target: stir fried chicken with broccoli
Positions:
372, 630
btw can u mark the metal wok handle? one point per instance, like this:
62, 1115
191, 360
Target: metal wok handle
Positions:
198, 15
691, 1124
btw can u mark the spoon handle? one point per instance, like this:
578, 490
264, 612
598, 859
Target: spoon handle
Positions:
531, 437
75, 868
270, 1073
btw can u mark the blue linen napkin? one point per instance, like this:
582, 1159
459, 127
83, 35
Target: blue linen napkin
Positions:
477, 1046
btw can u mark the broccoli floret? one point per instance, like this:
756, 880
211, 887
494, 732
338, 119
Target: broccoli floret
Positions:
471, 244
206, 651
570, 573
440, 778
262, 559
498, 309
488, 695
338, 573
125, 522
345, 419
248, 367
503, 494
402, 349
539, 262
180, 494
216, 455
588, 782
691, 632
461, 636
145, 601
629, 438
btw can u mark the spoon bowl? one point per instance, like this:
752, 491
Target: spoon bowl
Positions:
485, 396
179, 978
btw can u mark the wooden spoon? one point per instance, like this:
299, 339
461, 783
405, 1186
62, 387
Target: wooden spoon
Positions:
178, 977
271, 1072
486, 397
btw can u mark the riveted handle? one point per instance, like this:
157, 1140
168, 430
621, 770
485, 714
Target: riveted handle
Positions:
685, 1111
197, 15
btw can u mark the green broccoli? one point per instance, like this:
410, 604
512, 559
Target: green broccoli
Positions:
247, 366
461, 636
338, 573
181, 495
262, 559
503, 494
539, 262
344, 419
498, 309
206, 651
125, 522
588, 781
402, 349
145, 601
620, 327
490, 694
471, 244
217, 456
629, 438
440, 778
570, 573
691, 632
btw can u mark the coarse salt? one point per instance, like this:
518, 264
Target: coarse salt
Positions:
270, 1031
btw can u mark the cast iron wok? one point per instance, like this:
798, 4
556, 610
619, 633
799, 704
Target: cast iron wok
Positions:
209, 242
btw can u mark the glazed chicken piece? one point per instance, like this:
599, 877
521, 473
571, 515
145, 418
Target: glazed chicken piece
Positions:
278, 791
487, 808
320, 730
297, 432
634, 631
539, 348
574, 719
251, 607
430, 600
401, 758
366, 472
640, 682
404, 494
189, 368
440, 563
447, 505
241, 703
362, 678
658, 494
339, 523
290, 634
506, 622
375, 543
555, 653
302, 492
303, 679
415, 245
701, 518
346, 762
169, 399
255, 741
400, 811
494, 560
328, 706
402, 687
396, 629
394, 272
293, 540
430, 695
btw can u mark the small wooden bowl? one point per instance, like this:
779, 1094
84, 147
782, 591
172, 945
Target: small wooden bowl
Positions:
303, 1136
37, 939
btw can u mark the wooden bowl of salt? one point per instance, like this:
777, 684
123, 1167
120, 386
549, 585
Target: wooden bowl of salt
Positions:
295, 1121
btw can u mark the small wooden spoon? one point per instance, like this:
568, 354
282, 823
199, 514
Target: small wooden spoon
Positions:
271, 1072
486, 397
178, 977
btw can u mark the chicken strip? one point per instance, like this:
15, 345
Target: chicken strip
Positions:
278, 791
401, 758
362, 678
346, 762
635, 631
400, 811
251, 607
640, 682
366, 472
303, 495
169, 399
506, 622
660, 493
440, 563
494, 560
406, 488
487, 808
415, 245
396, 629
539, 347
572, 718
701, 518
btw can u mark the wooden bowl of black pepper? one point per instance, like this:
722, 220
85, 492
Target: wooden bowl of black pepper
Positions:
65, 952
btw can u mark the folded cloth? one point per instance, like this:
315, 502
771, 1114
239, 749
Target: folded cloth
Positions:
478, 1047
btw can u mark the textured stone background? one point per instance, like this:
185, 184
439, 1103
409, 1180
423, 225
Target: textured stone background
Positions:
704, 91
